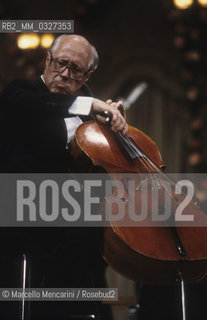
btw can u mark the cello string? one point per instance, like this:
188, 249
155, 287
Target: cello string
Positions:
132, 146
148, 164
152, 169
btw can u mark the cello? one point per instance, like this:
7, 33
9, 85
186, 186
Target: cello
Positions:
150, 254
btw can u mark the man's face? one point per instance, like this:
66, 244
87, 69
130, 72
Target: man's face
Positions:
77, 53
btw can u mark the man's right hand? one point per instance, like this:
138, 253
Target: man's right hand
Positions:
117, 123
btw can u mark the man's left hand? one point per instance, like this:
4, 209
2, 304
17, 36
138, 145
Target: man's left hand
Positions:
118, 105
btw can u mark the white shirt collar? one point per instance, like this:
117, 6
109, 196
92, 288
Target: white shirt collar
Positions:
42, 78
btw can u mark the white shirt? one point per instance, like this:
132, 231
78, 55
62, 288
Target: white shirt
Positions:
81, 106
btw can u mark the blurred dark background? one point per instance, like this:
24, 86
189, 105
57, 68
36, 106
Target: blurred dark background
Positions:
138, 41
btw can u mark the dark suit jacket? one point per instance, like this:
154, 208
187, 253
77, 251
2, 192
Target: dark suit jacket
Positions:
33, 138
33, 134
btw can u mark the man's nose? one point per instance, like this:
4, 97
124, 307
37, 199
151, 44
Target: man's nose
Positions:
65, 73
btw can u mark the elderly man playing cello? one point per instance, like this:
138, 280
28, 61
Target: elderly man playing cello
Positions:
37, 122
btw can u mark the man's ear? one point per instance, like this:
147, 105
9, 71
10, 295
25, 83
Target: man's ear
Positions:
89, 74
48, 58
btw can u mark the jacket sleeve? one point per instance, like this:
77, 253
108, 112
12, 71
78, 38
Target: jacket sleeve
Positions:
22, 98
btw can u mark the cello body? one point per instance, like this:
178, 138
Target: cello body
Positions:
142, 253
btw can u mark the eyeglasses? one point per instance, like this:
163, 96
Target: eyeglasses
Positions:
75, 71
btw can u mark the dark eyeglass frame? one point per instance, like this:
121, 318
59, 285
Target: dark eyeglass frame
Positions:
68, 66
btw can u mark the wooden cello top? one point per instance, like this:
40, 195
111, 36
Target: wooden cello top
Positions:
148, 254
